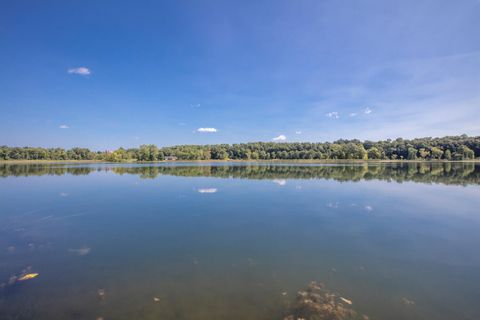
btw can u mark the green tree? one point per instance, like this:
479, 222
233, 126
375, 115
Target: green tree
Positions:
374, 153
436, 153
448, 155
465, 153
412, 153
423, 153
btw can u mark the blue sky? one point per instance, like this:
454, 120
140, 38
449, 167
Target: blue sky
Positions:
104, 74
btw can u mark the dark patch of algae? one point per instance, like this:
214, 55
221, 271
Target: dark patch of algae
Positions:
317, 303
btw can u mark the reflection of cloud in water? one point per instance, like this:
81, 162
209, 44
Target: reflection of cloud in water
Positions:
436, 197
79, 214
280, 182
298, 187
333, 205
208, 190
63, 194
369, 208
83, 251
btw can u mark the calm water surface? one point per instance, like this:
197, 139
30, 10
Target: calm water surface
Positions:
237, 241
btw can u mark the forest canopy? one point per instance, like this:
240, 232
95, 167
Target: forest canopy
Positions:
447, 148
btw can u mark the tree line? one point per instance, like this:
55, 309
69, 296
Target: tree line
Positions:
447, 148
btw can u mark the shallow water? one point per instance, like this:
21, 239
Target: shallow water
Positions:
237, 241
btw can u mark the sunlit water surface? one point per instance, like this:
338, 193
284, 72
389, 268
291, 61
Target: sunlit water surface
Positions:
237, 241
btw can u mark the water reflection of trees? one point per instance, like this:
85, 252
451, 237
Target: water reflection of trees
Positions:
23, 170
425, 172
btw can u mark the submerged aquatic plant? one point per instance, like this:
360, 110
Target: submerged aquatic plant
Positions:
24, 275
317, 303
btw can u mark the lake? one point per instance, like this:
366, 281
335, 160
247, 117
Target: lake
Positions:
238, 240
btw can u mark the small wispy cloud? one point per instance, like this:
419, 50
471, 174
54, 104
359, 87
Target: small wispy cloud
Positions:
207, 130
333, 205
195, 105
64, 126
367, 110
298, 132
333, 115
83, 71
280, 138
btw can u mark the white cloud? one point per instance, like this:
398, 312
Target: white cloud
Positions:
64, 126
298, 132
333, 115
280, 138
207, 130
207, 190
353, 114
196, 105
83, 71
367, 110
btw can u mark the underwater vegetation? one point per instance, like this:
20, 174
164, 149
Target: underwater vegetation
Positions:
317, 303
24, 275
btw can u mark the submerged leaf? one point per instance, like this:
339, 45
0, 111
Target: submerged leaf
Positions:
28, 276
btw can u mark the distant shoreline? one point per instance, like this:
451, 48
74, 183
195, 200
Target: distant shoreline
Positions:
313, 161
456, 148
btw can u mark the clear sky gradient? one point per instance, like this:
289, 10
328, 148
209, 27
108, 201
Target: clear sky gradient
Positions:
104, 74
